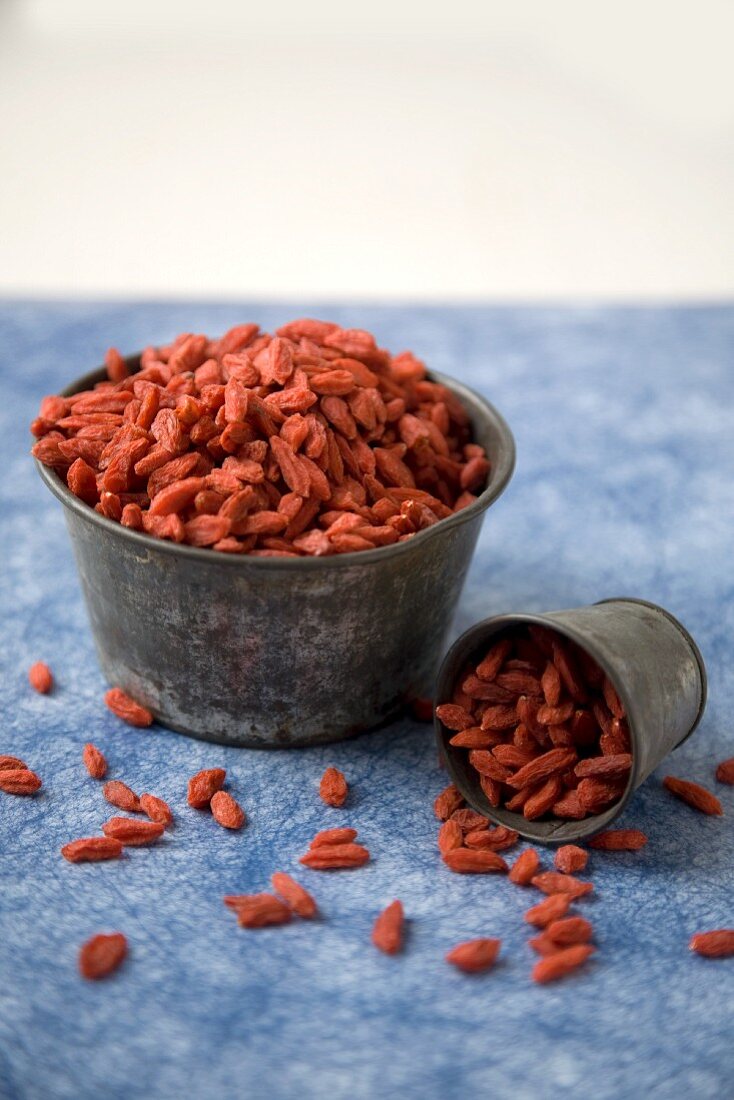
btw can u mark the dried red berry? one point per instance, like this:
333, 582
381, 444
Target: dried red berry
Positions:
474, 956
91, 849
41, 678
554, 882
551, 909
714, 945
226, 810
20, 781
120, 795
101, 955
694, 795
294, 895
569, 858
94, 761
330, 857
11, 763
454, 717
132, 833
569, 930
126, 708
334, 836
495, 840
333, 787
156, 809
467, 861
525, 867
725, 771
449, 800
450, 836
387, 931
204, 785
561, 963
259, 910
619, 840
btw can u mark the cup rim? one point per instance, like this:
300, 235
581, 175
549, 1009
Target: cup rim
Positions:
478, 408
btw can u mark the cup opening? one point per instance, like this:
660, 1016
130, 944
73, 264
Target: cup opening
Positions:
468, 651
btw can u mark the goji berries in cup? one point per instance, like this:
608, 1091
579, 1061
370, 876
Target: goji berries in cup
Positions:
548, 723
276, 651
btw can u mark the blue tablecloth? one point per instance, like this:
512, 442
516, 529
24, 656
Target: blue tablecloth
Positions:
624, 485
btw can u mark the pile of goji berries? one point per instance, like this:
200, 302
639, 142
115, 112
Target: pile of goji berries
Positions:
468, 843
313, 441
543, 726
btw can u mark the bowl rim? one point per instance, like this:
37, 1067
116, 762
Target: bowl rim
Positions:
477, 407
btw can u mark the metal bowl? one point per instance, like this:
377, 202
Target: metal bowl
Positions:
274, 652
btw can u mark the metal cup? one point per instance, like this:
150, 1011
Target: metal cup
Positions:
655, 666
275, 652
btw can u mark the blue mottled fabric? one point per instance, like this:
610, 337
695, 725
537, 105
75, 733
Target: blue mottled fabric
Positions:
624, 486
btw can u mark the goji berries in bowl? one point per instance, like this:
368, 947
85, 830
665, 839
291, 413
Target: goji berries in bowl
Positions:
548, 723
311, 597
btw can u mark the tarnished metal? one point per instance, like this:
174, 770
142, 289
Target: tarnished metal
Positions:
277, 652
654, 664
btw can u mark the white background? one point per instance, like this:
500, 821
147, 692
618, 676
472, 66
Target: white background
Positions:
322, 147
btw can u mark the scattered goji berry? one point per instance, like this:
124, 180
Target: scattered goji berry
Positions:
714, 945
41, 678
569, 930
101, 955
226, 810
387, 931
20, 781
474, 956
11, 763
449, 800
120, 795
450, 836
132, 833
694, 795
94, 761
553, 908
156, 809
91, 849
294, 895
422, 710
525, 867
328, 857
204, 785
259, 910
333, 788
334, 836
619, 840
126, 708
467, 861
561, 963
569, 858
725, 771
554, 882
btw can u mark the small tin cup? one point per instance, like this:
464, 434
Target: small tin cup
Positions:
655, 666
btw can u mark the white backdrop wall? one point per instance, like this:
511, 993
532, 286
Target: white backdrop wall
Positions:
415, 150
